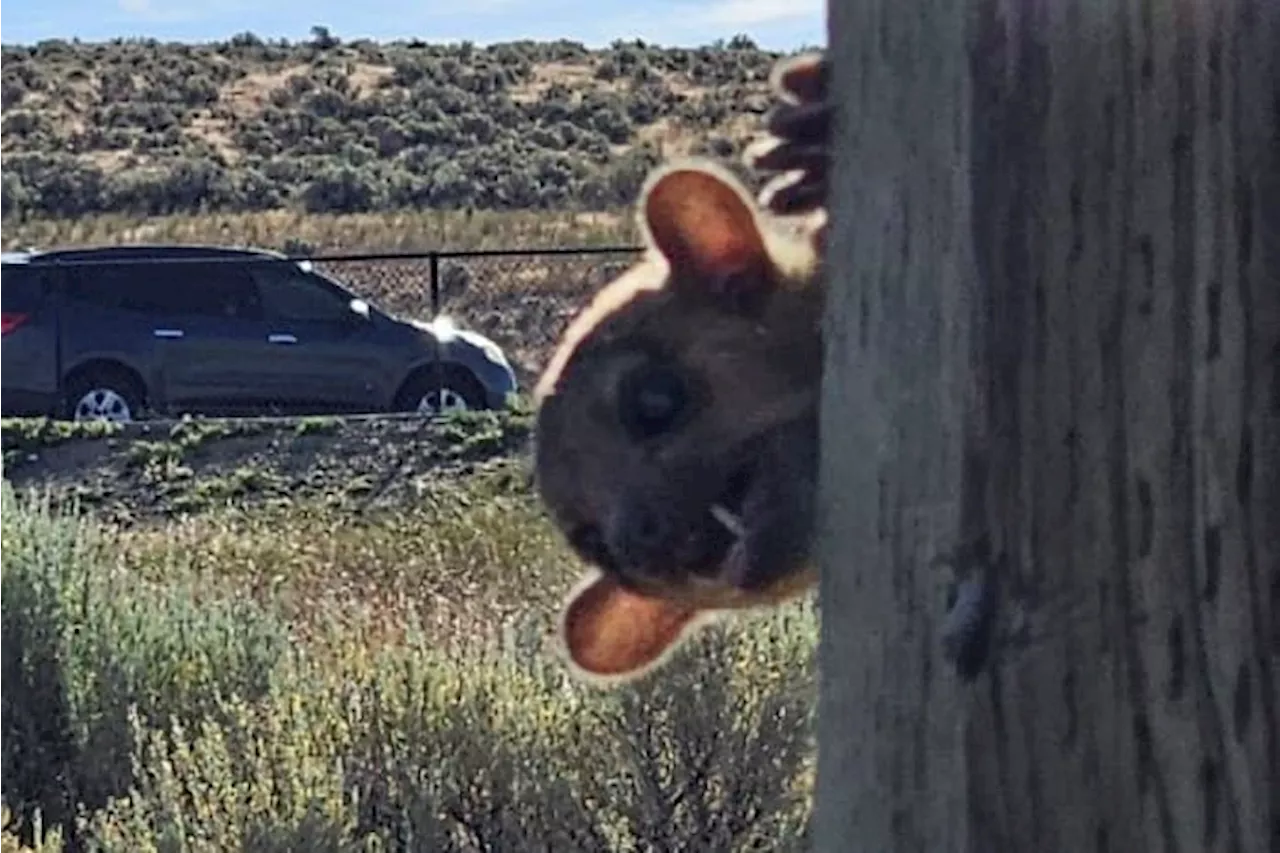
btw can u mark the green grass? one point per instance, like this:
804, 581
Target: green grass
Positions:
304, 678
23, 437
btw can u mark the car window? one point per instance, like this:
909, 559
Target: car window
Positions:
288, 293
176, 289
21, 289
229, 290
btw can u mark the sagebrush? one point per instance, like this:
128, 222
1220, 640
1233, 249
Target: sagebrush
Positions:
327, 126
169, 697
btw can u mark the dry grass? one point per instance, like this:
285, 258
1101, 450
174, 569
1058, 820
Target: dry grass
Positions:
402, 231
470, 557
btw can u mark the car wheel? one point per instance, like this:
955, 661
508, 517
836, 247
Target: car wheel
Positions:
455, 391
103, 396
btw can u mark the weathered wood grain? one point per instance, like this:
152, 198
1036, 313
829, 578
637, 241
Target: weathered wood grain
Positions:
1055, 326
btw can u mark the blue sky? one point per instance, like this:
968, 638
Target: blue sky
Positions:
775, 24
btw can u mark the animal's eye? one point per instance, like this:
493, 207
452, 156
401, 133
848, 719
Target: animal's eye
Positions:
651, 401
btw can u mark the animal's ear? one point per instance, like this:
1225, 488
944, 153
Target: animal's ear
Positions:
612, 634
706, 227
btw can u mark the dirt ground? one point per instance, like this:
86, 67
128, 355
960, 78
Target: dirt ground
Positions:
148, 472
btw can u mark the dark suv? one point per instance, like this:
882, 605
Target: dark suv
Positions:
108, 333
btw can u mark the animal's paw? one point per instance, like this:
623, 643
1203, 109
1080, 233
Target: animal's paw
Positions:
796, 146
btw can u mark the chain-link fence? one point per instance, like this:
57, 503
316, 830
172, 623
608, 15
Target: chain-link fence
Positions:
521, 299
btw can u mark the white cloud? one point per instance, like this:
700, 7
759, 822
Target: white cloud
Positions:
734, 13
135, 7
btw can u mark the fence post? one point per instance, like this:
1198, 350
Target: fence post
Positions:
433, 267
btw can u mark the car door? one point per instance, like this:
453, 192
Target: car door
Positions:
212, 348
328, 355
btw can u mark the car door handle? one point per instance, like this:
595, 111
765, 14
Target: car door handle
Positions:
167, 333
281, 339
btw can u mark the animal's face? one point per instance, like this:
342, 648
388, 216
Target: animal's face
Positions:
676, 440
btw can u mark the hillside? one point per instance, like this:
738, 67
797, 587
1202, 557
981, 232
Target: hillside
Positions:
326, 126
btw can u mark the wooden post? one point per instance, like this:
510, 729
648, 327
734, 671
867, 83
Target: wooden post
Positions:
1054, 327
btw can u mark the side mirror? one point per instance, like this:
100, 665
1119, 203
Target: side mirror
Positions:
360, 307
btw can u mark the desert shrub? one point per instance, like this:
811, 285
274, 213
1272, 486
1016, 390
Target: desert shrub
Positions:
414, 749
85, 645
715, 754
18, 838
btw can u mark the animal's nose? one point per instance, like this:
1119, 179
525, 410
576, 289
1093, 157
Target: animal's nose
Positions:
642, 538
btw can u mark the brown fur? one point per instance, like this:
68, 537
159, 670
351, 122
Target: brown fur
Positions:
723, 315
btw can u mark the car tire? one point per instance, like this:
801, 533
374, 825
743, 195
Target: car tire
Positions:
103, 394
459, 389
